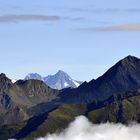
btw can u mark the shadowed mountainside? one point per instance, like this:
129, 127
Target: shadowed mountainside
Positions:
122, 77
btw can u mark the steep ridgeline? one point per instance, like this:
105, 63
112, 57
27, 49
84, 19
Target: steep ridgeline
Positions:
9, 111
122, 77
59, 81
16, 99
5, 83
31, 92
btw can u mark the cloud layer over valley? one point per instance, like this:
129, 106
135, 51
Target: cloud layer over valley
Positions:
82, 129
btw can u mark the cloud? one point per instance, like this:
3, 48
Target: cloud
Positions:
127, 27
82, 129
105, 10
15, 18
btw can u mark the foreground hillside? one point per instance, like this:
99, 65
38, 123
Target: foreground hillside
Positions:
30, 109
117, 109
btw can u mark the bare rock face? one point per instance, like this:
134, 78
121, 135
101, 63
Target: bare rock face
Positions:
31, 92
5, 83
9, 112
5, 101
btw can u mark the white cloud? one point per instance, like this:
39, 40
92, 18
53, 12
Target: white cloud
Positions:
82, 129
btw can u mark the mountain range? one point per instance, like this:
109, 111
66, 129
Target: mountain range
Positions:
30, 108
59, 81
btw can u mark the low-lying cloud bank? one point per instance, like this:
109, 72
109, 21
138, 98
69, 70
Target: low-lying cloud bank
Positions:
82, 129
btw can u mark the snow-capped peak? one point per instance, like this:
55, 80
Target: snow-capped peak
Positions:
59, 80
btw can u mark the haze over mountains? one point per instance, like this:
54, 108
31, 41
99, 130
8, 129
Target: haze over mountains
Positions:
60, 80
30, 109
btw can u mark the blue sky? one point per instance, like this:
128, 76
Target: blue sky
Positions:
83, 38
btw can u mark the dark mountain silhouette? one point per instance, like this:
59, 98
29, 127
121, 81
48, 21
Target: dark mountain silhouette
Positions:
122, 77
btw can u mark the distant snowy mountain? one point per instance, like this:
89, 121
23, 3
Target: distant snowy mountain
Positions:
34, 76
59, 81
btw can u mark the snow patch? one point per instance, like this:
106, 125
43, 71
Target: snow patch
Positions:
13, 81
76, 83
66, 84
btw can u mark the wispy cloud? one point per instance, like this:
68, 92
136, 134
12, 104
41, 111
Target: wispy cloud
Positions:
28, 17
105, 10
82, 129
126, 27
